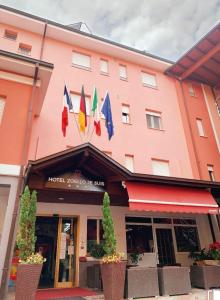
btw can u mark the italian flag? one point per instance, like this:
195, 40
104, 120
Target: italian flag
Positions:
96, 113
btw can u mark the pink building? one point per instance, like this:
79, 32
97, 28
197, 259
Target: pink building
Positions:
160, 167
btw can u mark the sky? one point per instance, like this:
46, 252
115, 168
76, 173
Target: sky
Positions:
166, 28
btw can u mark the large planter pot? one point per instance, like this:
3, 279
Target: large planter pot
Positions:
211, 262
28, 276
113, 278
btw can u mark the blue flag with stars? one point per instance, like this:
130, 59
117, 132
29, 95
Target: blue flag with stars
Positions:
106, 110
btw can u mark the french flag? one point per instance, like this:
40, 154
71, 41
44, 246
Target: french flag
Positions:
67, 106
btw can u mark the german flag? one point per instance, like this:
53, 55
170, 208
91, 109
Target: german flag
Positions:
82, 119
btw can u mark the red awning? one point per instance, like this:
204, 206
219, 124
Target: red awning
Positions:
151, 197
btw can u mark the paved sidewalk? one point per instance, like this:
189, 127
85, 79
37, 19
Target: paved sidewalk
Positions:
196, 294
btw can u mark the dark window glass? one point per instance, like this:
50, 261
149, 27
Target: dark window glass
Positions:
137, 220
139, 238
184, 221
187, 238
91, 234
162, 220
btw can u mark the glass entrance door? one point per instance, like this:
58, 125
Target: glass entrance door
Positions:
66, 250
165, 248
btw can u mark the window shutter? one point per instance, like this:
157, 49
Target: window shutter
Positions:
129, 162
200, 127
76, 103
104, 66
2, 106
123, 72
149, 80
125, 109
81, 60
160, 168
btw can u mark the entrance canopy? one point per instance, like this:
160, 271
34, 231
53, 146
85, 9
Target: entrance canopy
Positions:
150, 197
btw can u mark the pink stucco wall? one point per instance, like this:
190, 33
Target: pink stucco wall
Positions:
169, 144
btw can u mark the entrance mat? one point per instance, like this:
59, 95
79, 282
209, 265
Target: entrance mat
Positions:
64, 294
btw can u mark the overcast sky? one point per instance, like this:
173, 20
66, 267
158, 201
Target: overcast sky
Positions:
163, 27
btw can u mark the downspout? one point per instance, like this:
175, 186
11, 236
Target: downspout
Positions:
13, 227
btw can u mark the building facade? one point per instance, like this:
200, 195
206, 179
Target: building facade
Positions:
160, 167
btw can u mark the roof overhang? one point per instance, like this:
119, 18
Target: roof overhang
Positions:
25, 70
202, 62
81, 39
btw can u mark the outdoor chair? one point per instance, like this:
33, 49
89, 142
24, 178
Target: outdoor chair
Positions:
174, 280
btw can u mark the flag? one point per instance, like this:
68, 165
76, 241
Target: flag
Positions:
106, 110
82, 119
67, 106
96, 113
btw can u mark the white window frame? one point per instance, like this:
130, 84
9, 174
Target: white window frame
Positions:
104, 66
211, 172
10, 35
129, 162
125, 110
163, 164
123, 72
2, 108
81, 60
149, 80
150, 118
200, 127
75, 97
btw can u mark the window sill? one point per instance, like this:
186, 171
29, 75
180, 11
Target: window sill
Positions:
25, 54
104, 74
126, 123
150, 86
124, 79
203, 136
157, 129
13, 40
82, 68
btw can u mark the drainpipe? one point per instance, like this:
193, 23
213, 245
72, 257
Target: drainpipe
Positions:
13, 225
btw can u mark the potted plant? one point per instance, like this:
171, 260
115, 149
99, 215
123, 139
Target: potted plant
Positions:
210, 256
135, 257
97, 251
30, 264
112, 267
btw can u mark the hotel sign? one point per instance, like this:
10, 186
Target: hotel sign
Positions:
74, 181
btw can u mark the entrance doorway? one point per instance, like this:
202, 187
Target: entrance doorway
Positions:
165, 248
56, 241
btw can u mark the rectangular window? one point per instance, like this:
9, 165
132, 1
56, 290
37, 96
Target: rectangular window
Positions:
191, 90
123, 72
149, 80
211, 172
200, 127
24, 49
187, 238
160, 167
94, 233
129, 162
2, 107
125, 114
76, 103
81, 60
137, 220
11, 35
154, 120
104, 66
139, 238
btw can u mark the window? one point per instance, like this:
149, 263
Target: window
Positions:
149, 80
200, 127
24, 49
2, 107
81, 60
139, 237
123, 72
160, 167
94, 233
76, 103
125, 114
211, 172
129, 162
104, 66
11, 35
154, 120
191, 90
187, 238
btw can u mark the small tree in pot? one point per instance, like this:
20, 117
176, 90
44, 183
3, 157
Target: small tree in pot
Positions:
30, 264
112, 267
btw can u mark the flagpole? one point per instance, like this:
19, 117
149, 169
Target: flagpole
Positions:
90, 117
91, 134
